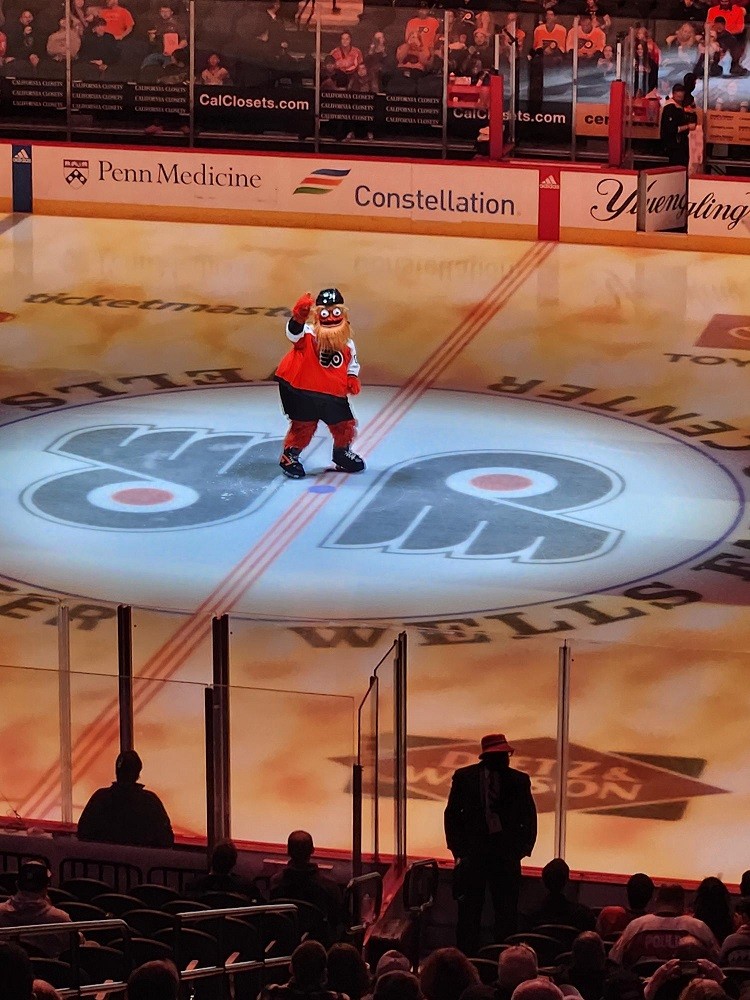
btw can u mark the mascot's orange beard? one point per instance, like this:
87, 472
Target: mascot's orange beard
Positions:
331, 338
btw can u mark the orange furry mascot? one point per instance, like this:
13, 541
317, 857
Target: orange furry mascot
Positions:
315, 379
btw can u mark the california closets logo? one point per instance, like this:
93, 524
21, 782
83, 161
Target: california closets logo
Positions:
76, 172
614, 198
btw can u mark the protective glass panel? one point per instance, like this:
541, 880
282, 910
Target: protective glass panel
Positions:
659, 777
383, 77
129, 68
503, 686
33, 67
545, 77
290, 754
728, 122
254, 70
94, 734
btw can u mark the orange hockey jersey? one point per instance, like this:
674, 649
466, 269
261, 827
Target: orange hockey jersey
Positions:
306, 368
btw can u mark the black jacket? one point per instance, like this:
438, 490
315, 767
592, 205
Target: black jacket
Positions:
126, 814
466, 830
306, 883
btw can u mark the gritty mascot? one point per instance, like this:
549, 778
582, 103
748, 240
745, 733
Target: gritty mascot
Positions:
315, 378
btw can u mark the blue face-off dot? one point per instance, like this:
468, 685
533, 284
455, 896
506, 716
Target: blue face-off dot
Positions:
321, 489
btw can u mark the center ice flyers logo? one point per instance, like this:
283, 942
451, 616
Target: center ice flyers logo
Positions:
522, 506
142, 478
76, 172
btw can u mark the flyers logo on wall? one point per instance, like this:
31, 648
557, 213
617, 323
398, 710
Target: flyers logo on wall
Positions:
639, 786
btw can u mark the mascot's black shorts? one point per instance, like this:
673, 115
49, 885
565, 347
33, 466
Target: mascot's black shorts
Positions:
299, 404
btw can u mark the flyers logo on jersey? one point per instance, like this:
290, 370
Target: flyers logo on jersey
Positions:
724, 330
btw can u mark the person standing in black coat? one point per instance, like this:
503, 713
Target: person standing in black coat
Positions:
490, 824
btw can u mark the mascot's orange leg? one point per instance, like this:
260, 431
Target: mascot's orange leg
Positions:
343, 433
300, 433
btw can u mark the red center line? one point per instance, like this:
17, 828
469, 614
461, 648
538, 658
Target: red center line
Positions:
165, 662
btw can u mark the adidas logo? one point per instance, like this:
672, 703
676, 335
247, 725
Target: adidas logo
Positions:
549, 184
22, 156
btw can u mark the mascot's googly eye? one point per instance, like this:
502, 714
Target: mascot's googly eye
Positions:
324, 314
337, 313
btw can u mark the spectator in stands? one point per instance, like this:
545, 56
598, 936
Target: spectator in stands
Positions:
301, 879
411, 54
79, 16
58, 41
154, 981
31, 905
736, 947
16, 974
703, 989
745, 884
425, 24
391, 961
657, 934
347, 971
360, 83
346, 56
43, 991
176, 71
99, 50
730, 43
330, 78
271, 30
622, 985
126, 812
645, 73
673, 977
607, 63
481, 49
676, 123
515, 965
538, 989
587, 968
214, 74
556, 908
23, 42
167, 33
119, 21
375, 57
688, 10
712, 905
308, 980
614, 919
221, 875
590, 41
490, 824
549, 39
682, 47
398, 986
445, 974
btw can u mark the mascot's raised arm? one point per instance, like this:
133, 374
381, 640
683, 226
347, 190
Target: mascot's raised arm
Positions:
315, 379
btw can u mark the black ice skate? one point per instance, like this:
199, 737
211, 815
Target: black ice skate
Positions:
346, 460
291, 465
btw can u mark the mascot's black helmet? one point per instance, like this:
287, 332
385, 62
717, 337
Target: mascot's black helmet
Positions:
329, 297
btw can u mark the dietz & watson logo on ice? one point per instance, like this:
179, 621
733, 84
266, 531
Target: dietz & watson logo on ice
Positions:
162, 173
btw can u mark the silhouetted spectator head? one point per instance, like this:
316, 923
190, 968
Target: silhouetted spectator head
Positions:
703, 989
397, 986
309, 965
670, 899
392, 961
34, 877
99, 27
713, 906
586, 23
678, 96
166, 11
16, 974
623, 985
588, 952
516, 965
690, 949
43, 991
446, 974
555, 875
128, 765
154, 981
26, 18
745, 884
742, 909
496, 751
347, 971
537, 989
223, 857
639, 889
300, 847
